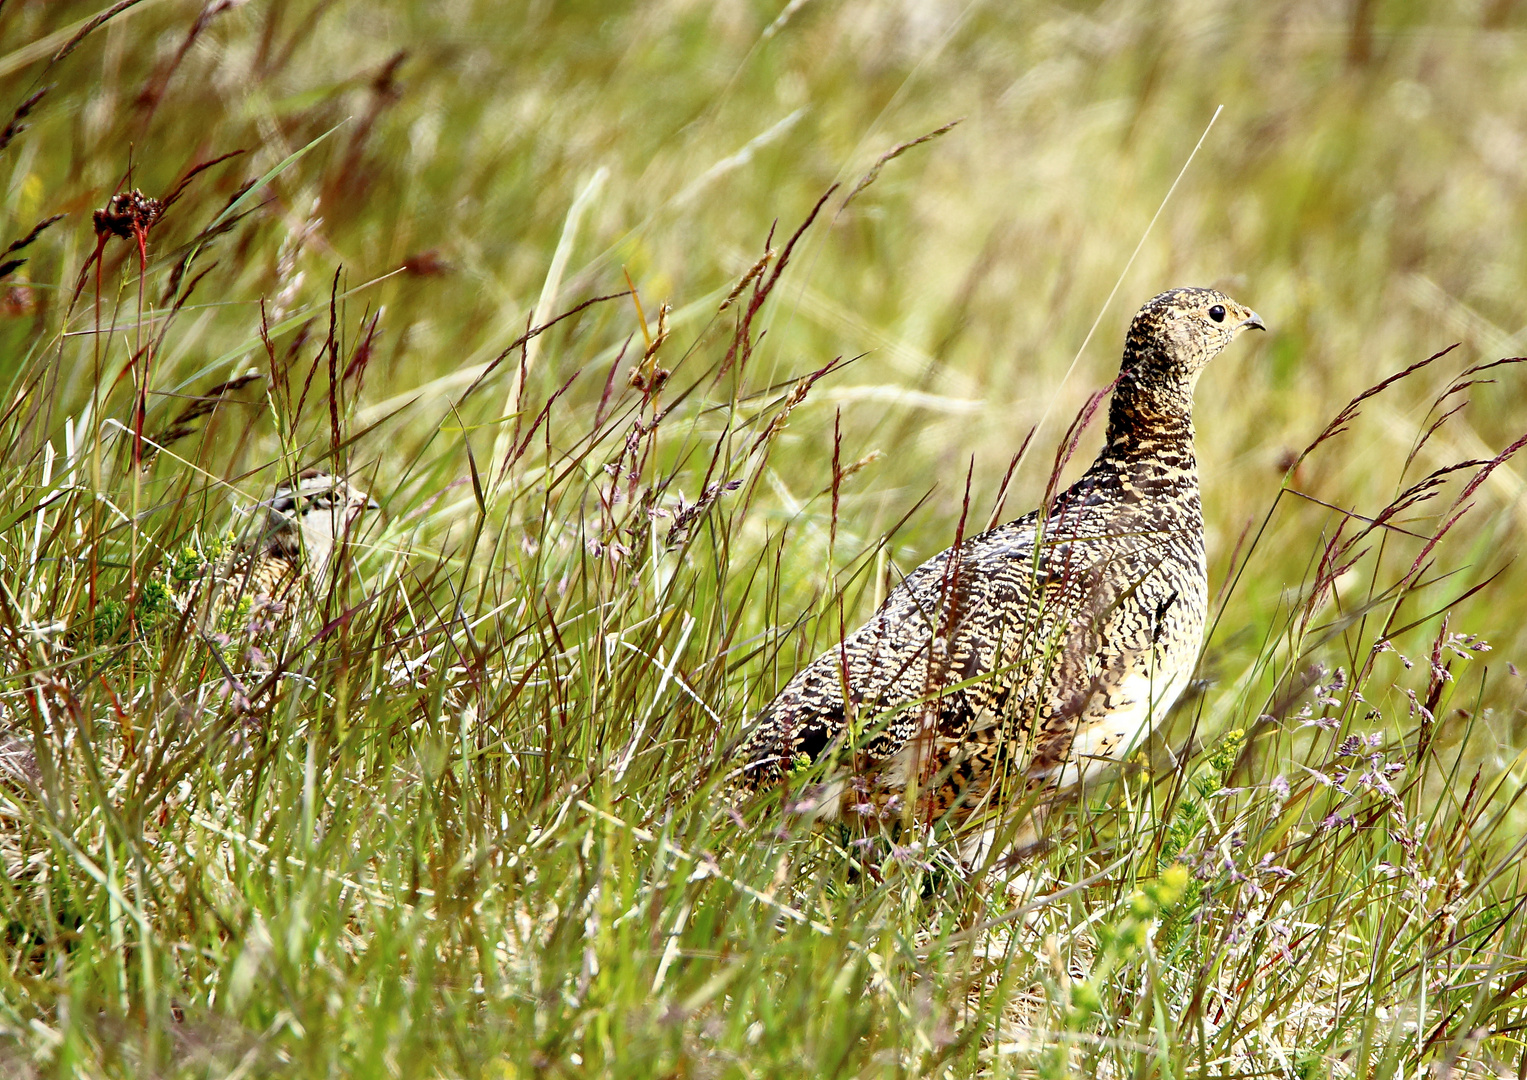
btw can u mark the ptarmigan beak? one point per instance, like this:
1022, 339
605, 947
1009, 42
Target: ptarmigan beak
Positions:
1252, 321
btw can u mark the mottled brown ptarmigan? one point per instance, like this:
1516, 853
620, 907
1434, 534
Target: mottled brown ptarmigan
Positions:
288, 558
1017, 664
294, 539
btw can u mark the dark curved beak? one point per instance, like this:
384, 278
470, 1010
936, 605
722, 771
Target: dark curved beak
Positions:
372, 504
1253, 321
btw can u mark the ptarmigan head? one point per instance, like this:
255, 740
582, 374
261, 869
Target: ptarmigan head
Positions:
1170, 341
308, 518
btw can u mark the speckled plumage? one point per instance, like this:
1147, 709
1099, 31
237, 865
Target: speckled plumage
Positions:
1031, 655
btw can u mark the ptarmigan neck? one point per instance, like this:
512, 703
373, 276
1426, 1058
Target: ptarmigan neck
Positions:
318, 535
1151, 419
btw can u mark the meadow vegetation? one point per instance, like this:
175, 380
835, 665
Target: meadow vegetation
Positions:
664, 354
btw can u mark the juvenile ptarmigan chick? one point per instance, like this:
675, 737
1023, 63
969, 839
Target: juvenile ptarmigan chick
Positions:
1019, 663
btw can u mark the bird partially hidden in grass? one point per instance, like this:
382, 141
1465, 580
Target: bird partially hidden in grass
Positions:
1006, 671
284, 552
297, 534
295, 541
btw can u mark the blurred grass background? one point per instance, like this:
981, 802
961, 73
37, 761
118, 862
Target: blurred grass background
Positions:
480, 166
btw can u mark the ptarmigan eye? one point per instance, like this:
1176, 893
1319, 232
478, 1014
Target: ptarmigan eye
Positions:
1217, 313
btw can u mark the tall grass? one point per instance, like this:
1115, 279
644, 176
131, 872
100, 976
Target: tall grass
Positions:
464, 811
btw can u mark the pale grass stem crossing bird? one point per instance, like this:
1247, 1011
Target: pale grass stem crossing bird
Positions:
1010, 669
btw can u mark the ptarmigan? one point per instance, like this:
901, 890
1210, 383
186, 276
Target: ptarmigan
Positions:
293, 544
302, 525
1019, 663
